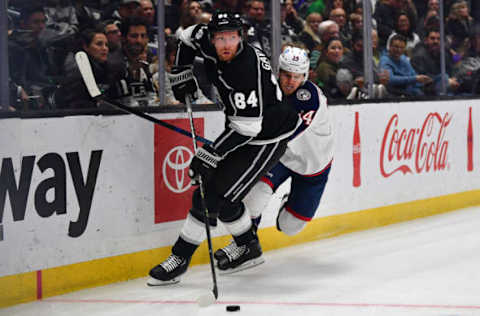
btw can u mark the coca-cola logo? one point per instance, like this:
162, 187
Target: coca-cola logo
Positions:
419, 149
175, 169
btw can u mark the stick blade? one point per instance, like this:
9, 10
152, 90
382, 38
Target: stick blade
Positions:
87, 74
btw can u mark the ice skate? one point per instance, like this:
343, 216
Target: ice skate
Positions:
169, 271
233, 258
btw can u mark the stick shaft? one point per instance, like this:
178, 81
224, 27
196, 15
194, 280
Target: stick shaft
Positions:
204, 204
154, 120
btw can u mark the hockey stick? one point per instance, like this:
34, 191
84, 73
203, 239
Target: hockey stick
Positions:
203, 300
87, 75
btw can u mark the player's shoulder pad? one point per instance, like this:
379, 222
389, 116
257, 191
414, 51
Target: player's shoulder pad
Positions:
310, 93
194, 35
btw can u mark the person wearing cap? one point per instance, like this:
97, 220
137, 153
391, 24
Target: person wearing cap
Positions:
126, 9
258, 123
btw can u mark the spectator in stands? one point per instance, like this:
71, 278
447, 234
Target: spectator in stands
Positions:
28, 59
468, 72
127, 9
376, 51
259, 30
147, 11
61, 17
328, 29
310, 35
327, 68
339, 16
385, 13
332, 5
189, 17
291, 17
403, 26
353, 61
72, 92
459, 22
317, 6
403, 80
291, 24
426, 61
356, 22
114, 36
430, 21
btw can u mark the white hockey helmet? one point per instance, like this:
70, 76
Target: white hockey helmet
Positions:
294, 59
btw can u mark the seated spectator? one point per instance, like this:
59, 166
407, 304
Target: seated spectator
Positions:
354, 61
259, 29
147, 11
127, 9
385, 13
61, 17
430, 21
130, 64
347, 86
291, 24
339, 16
403, 80
403, 27
72, 92
317, 6
459, 22
468, 72
332, 5
327, 68
28, 59
426, 61
328, 29
189, 17
114, 36
290, 16
310, 35
356, 22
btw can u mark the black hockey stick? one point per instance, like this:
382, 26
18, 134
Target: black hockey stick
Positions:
86, 71
206, 216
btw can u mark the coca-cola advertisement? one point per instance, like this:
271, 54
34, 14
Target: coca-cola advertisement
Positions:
173, 153
415, 149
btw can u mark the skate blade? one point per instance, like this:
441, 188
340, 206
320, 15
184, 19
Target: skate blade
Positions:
244, 266
154, 282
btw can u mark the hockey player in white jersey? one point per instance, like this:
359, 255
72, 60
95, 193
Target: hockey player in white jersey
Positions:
308, 157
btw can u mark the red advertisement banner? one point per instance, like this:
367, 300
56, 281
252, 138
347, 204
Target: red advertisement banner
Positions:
173, 153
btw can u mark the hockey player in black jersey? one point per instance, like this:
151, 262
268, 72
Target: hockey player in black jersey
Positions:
258, 122
308, 157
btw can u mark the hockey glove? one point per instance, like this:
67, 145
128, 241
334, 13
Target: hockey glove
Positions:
203, 164
183, 82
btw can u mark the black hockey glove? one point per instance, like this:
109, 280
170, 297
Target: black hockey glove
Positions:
183, 82
203, 164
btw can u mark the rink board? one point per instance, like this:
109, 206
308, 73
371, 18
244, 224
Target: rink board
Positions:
100, 199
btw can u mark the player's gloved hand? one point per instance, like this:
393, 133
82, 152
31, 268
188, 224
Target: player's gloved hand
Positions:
203, 164
183, 82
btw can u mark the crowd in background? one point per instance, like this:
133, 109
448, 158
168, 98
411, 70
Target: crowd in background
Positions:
120, 39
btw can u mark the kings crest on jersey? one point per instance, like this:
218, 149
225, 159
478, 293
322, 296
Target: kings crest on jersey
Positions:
248, 90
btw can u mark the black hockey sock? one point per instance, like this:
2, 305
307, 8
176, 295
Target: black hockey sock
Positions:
183, 248
246, 237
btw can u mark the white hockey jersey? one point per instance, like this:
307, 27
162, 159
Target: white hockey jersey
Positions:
310, 149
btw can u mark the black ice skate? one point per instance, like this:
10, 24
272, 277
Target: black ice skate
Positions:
169, 271
233, 258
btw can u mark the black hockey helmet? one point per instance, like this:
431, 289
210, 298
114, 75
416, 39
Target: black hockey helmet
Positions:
225, 21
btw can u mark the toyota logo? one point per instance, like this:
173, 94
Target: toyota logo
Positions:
175, 169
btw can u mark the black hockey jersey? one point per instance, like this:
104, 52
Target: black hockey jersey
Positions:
256, 112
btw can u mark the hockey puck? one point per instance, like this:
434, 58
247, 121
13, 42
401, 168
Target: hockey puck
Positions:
233, 308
